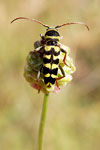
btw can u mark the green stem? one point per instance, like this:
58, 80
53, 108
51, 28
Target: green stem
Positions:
42, 122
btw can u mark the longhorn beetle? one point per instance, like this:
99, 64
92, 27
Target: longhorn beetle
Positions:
51, 52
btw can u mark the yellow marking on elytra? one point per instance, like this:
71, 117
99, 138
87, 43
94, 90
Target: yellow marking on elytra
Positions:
49, 84
48, 65
47, 75
54, 66
47, 56
47, 48
57, 49
53, 76
55, 57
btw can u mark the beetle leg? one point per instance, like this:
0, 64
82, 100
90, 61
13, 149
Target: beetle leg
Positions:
64, 51
63, 73
64, 60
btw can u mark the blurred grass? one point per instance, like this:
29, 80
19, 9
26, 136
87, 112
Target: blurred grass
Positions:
73, 119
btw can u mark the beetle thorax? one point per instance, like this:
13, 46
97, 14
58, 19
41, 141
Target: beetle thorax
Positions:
52, 35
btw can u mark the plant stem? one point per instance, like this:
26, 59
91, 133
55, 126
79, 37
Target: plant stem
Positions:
42, 122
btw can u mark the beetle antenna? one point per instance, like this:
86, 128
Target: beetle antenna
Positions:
72, 23
30, 20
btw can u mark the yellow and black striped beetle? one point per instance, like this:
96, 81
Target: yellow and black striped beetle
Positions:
51, 52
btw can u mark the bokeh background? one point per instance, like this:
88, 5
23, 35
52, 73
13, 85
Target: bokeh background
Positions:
73, 118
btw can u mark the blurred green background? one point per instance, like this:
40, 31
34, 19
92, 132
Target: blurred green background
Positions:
73, 118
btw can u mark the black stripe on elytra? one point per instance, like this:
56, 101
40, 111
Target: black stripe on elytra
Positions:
56, 61
46, 70
54, 71
46, 60
49, 79
47, 52
51, 71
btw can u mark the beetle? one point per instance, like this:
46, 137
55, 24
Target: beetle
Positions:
51, 52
